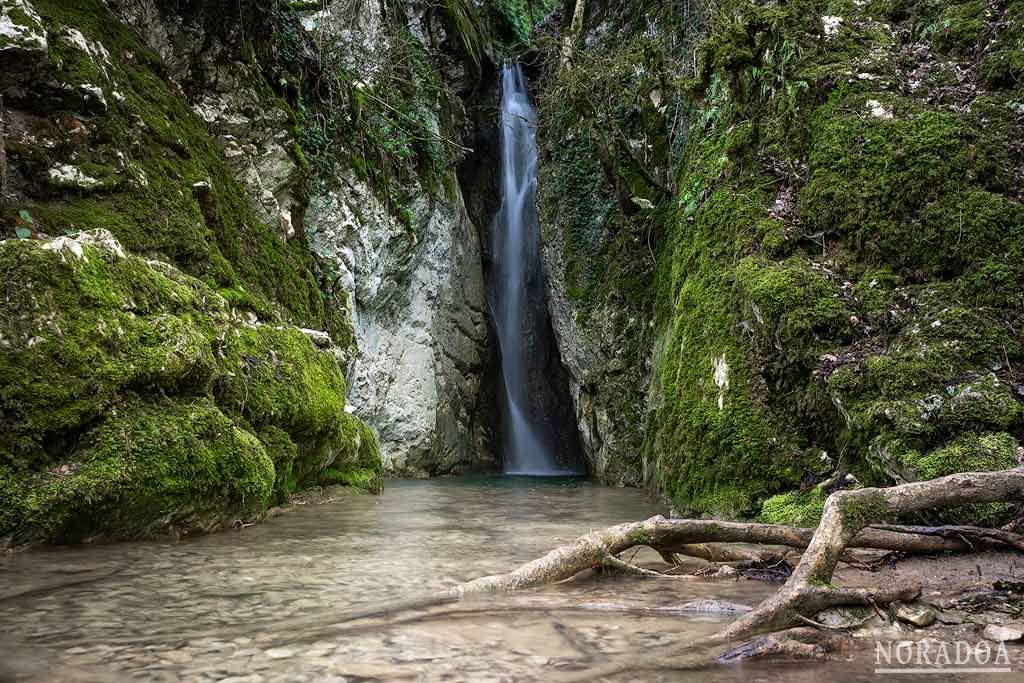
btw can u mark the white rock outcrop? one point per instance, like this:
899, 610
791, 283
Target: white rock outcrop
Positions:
418, 303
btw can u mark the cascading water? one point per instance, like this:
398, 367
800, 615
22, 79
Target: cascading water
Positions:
519, 286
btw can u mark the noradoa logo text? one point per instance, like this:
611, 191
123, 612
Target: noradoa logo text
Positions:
933, 656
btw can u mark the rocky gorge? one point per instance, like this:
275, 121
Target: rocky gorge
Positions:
781, 246
509, 339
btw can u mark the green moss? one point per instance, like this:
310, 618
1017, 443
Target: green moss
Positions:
94, 338
957, 27
276, 376
183, 464
968, 453
796, 508
166, 191
862, 511
897, 190
875, 290
780, 332
792, 300
275, 379
80, 332
984, 403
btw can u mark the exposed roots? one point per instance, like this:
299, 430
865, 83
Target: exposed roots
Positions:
796, 643
845, 523
844, 520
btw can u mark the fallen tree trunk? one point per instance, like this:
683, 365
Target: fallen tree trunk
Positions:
845, 524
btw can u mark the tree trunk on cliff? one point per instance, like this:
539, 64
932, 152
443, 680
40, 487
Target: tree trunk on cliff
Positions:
573, 34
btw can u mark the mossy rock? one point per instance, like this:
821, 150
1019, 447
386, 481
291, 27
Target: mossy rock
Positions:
1003, 65
148, 465
92, 332
914, 190
158, 181
360, 467
969, 452
796, 508
274, 375
84, 323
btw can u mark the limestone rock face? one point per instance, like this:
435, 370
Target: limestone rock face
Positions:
588, 352
415, 283
420, 323
254, 136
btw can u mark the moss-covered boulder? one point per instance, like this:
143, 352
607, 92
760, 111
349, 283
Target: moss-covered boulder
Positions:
148, 466
218, 415
84, 324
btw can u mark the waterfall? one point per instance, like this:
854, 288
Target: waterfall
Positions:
519, 285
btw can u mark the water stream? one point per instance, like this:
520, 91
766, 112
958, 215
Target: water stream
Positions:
263, 604
519, 283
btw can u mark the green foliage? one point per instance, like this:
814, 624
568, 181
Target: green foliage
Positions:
383, 127
519, 16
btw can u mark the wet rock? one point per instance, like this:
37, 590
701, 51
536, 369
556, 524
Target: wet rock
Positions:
1003, 634
952, 617
418, 305
848, 617
918, 614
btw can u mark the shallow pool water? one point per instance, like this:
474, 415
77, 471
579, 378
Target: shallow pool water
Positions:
274, 601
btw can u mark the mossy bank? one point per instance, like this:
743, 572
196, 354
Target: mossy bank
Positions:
137, 399
172, 356
792, 241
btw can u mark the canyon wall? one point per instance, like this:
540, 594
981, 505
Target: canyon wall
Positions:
784, 243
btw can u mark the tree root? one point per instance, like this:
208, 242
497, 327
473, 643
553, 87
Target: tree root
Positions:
845, 524
796, 643
671, 536
844, 520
